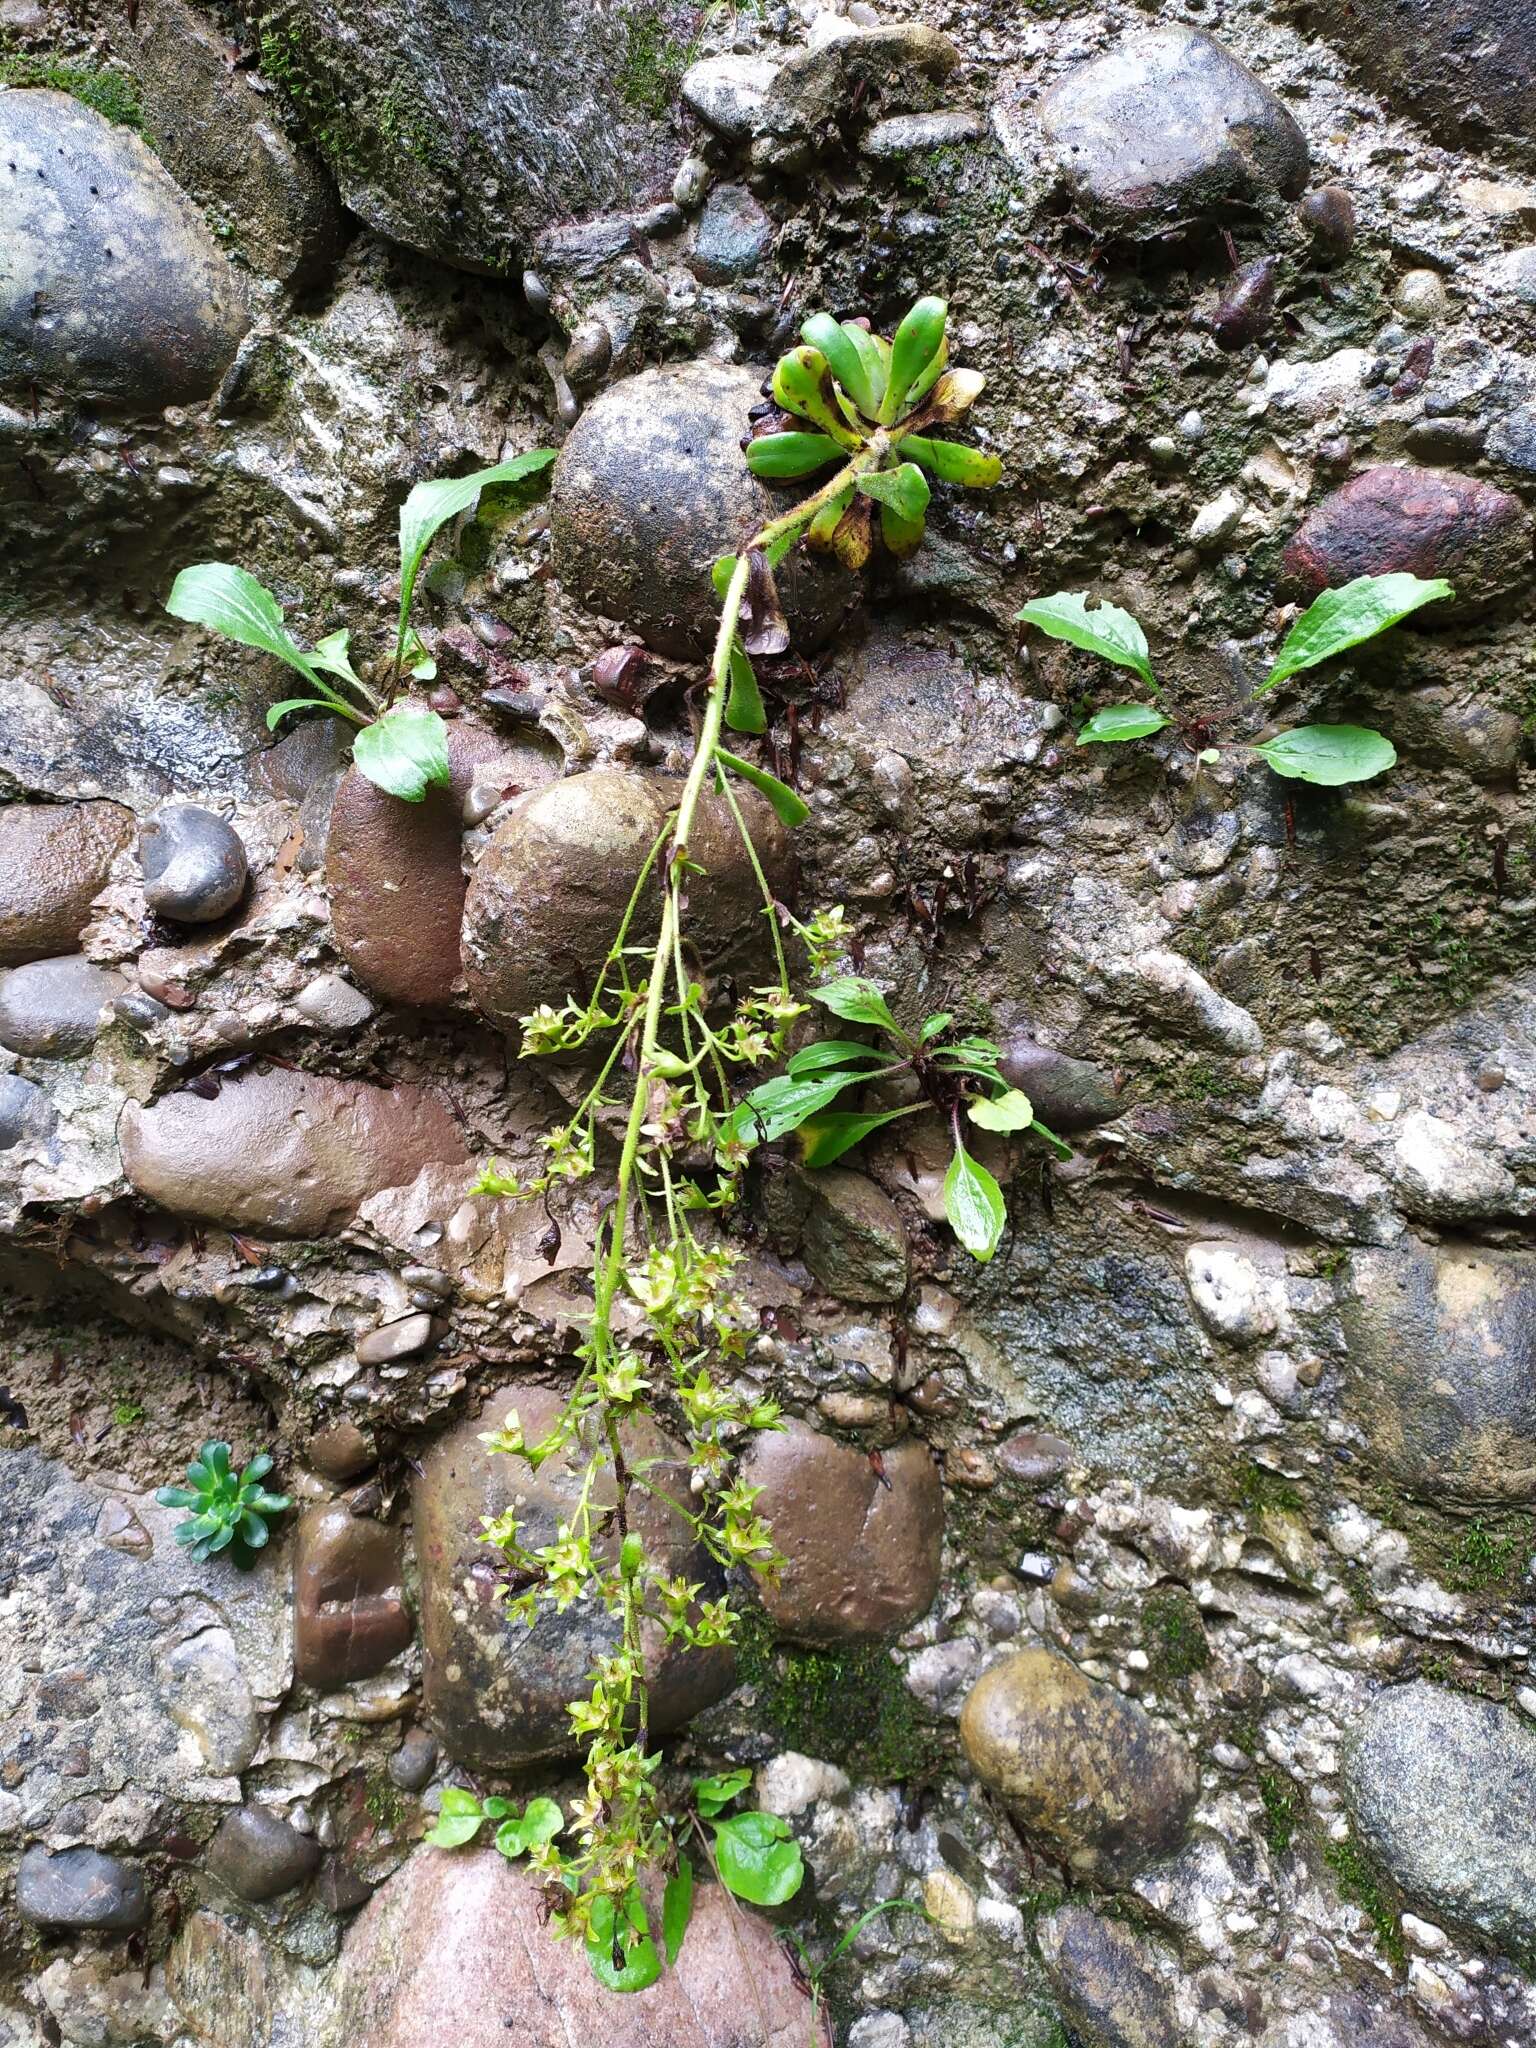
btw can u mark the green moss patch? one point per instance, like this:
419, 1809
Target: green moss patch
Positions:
850, 1707
109, 93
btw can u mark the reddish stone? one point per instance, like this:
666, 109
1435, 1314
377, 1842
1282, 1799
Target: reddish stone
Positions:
53, 859
349, 1611
282, 1153
862, 1548
395, 875
1430, 522
456, 1947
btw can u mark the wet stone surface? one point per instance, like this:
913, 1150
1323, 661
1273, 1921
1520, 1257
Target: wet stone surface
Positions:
1105, 1988
853, 1238
552, 885
259, 1855
1431, 522
195, 868
51, 1009
1083, 1769
53, 859
396, 877
349, 1613
1465, 68
862, 1555
633, 552
1442, 1367
293, 1154
81, 1888
464, 1933
734, 235
1170, 127
25, 1112
114, 287
1065, 1093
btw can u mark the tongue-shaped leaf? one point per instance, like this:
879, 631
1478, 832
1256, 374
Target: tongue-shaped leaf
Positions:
905, 490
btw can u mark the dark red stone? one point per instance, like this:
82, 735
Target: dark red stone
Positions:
350, 1616
1431, 522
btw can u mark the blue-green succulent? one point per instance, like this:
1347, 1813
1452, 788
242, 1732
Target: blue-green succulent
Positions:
231, 1510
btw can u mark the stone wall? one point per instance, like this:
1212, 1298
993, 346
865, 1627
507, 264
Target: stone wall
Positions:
1158, 1610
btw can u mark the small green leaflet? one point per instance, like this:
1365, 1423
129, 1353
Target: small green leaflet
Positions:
902, 537
744, 706
973, 1202
280, 711
233, 603
905, 490
619, 1961
759, 1859
1122, 722
332, 653
854, 368
1329, 754
541, 1823
458, 1820
715, 1793
431, 505
1011, 1111
1343, 618
677, 1908
856, 1001
825, 1138
1108, 632
789, 808
405, 751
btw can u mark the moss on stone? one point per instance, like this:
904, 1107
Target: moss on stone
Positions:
1261, 1492
653, 63
849, 1707
1176, 1642
383, 1802
109, 93
1361, 1884
1283, 1807
1491, 1555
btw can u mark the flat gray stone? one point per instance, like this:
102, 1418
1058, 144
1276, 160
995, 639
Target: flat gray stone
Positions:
734, 236
728, 93
1441, 1368
1101, 1973
1442, 1788
904, 135
1169, 127
49, 1009
25, 1111
81, 1888
463, 127
111, 286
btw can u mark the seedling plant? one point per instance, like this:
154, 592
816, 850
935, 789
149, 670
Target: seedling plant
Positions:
1337, 621
230, 1510
401, 746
